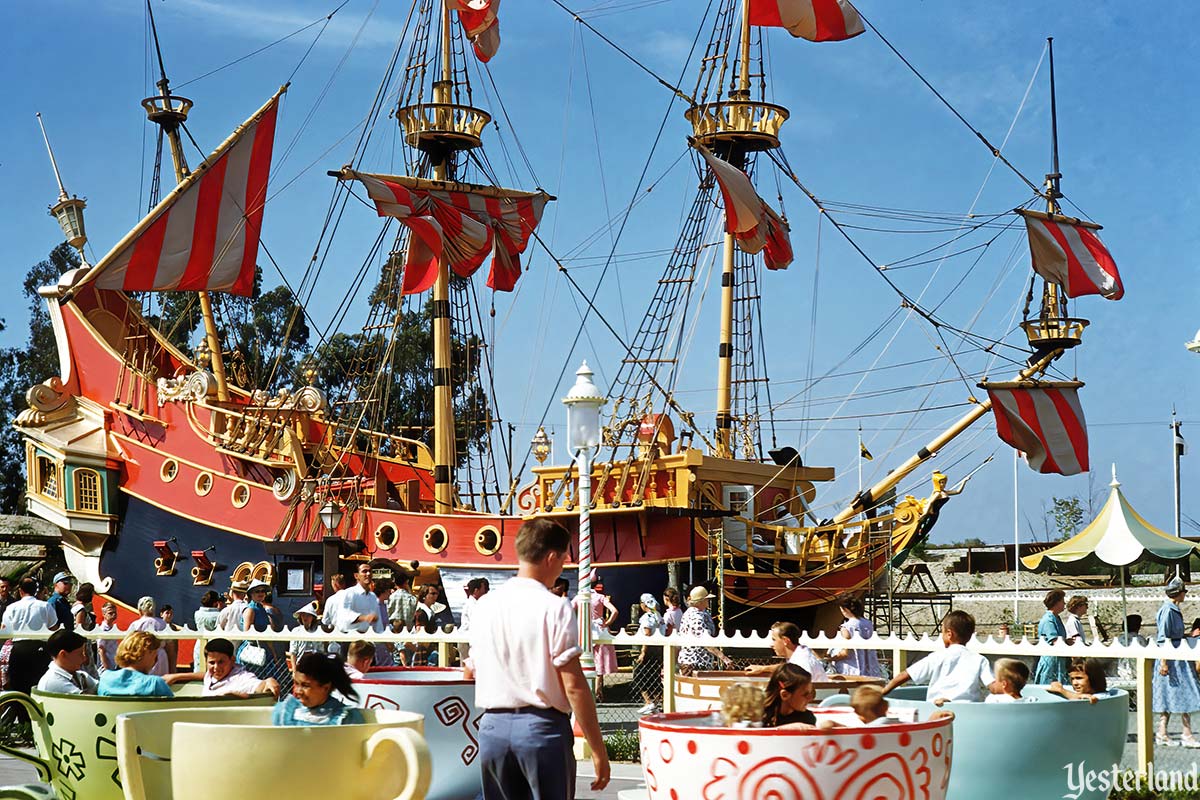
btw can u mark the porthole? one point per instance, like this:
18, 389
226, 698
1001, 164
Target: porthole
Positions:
240, 495
487, 540
436, 539
386, 536
169, 470
204, 483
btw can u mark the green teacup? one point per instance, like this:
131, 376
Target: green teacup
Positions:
76, 736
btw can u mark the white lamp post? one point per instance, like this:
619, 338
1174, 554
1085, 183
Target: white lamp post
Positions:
583, 404
331, 516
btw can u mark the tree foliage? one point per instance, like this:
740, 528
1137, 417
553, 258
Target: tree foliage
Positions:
1066, 514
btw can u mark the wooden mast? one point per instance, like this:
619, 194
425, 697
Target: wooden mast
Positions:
169, 112
1052, 301
443, 395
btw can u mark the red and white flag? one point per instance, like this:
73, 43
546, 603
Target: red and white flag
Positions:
815, 20
1068, 252
204, 235
481, 23
754, 224
1045, 421
457, 224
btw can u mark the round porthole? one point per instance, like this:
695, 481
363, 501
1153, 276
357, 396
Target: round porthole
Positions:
487, 541
436, 539
386, 536
169, 470
240, 495
204, 483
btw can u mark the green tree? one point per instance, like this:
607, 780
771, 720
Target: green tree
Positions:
1066, 514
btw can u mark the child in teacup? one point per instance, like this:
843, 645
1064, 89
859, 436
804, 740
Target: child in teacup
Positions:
953, 673
1087, 681
1011, 677
789, 691
314, 680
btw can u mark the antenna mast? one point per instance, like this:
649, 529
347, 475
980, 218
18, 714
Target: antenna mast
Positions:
68, 210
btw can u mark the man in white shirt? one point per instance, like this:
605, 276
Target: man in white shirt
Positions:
28, 659
525, 662
954, 673
357, 608
65, 675
231, 615
476, 588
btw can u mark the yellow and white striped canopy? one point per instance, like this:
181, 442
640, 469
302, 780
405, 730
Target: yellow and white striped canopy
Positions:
1118, 536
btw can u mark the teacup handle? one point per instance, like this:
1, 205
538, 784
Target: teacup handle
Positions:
36, 717
28, 791
410, 748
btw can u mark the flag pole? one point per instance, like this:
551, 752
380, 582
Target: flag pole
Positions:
860, 460
1177, 445
1016, 543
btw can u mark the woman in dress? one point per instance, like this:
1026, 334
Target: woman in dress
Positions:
604, 614
1050, 629
696, 621
1176, 688
136, 657
257, 617
149, 621
311, 702
855, 661
1077, 607
646, 669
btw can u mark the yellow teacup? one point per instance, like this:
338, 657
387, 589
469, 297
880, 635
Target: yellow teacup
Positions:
229, 749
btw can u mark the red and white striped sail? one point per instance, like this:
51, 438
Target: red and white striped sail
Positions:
1045, 422
458, 223
204, 235
1068, 252
481, 22
815, 20
754, 224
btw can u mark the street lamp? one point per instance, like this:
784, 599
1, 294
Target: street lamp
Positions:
583, 404
331, 516
540, 445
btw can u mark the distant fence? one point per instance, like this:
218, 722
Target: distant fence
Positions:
901, 650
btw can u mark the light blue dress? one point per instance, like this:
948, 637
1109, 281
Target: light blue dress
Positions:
1177, 692
859, 662
1052, 668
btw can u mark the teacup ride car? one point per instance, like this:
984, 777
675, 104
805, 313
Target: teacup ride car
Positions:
75, 735
201, 753
695, 755
1021, 750
447, 700
701, 691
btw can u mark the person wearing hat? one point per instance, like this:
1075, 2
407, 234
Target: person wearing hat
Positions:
309, 618
65, 675
60, 601
1176, 687
257, 616
697, 621
646, 669
230, 617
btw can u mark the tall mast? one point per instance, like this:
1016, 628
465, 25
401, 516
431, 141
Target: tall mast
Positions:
169, 112
1052, 301
443, 394
735, 153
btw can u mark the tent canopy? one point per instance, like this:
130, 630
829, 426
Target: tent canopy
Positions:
1118, 537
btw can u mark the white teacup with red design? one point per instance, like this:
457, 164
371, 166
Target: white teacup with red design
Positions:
451, 721
690, 756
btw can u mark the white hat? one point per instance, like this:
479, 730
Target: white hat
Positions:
648, 601
698, 594
311, 608
258, 585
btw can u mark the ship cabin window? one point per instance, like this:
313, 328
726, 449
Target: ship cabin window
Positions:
87, 490
47, 477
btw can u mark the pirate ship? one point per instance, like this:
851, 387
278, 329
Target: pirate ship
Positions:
165, 473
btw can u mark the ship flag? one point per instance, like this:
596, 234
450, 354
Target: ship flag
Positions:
481, 22
754, 224
1067, 252
1043, 420
462, 223
814, 20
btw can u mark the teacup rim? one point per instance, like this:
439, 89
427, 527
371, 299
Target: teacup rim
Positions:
662, 723
216, 699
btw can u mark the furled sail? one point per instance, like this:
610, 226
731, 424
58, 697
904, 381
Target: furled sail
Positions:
204, 235
481, 23
1067, 251
1044, 421
754, 224
815, 20
460, 222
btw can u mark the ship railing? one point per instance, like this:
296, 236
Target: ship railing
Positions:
783, 550
902, 650
376, 444
628, 483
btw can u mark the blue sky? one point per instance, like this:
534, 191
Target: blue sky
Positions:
863, 130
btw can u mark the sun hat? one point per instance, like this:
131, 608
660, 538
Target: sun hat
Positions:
239, 586
1175, 587
698, 594
649, 602
311, 608
63, 576
258, 585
